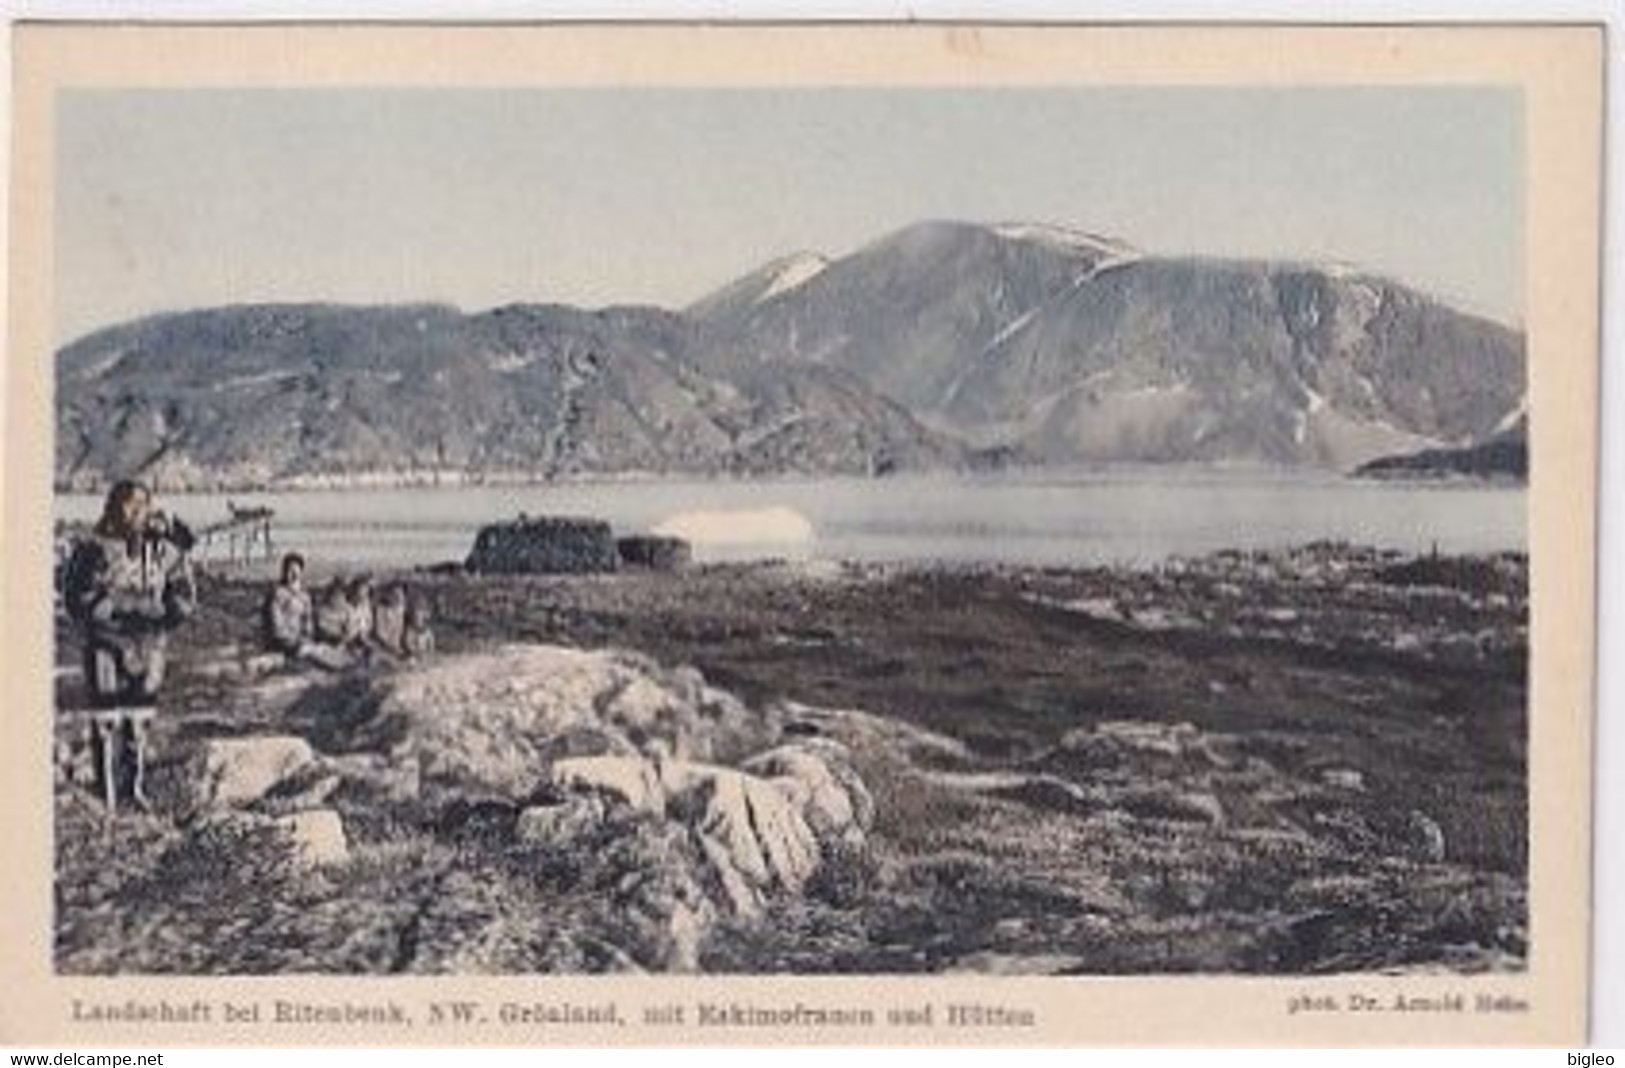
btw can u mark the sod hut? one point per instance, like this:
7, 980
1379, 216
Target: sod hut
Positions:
654, 553
546, 545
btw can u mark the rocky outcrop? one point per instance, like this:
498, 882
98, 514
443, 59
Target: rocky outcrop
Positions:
232, 772
817, 776
316, 837
571, 749
646, 807
297, 842
500, 723
625, 780
759, 832
265, 795
752, 836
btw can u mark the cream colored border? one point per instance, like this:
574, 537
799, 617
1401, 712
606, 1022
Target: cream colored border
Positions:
1559, 70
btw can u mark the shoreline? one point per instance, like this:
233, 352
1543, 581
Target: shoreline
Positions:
1037, 473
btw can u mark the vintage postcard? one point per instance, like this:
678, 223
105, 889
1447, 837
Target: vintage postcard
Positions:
865, 534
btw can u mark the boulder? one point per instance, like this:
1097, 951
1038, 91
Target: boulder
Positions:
226, 772
546, 545
755, 840
391, 780
306, 789
1137, 736
316, 837
737, 895
1201, 807
654, 552
588, 742
300, 841
560, 822
686, 926
627, 780
495, 723
816, 776
1343, 779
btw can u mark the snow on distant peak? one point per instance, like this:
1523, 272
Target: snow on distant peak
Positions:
1065, 239
103, 365
1338, 269
1511, 419
791, 272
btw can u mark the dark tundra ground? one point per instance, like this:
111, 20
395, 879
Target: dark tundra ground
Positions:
1303, 762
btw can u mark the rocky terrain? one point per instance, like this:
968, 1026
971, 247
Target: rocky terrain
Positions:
940, 346
1300, 762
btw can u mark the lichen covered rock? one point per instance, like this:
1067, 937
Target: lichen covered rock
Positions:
496, 723
226, 772
816, 776
629, 780
599, 781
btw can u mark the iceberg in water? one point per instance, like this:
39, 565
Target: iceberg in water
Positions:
741, 526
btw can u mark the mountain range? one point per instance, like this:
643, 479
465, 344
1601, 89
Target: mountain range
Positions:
944, 345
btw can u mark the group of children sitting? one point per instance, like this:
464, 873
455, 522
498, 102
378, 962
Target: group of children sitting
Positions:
346, 625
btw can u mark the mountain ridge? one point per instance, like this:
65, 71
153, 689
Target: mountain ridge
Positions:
942, 345
1078, 348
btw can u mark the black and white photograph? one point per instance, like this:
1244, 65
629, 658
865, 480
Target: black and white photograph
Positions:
805, 530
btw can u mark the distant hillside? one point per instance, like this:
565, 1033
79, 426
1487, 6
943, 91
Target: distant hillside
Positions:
1505, 455
1076, 347
309, 394
940, 346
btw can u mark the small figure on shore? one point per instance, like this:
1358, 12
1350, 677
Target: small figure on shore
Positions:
389, 622
298, 629
418, 639
358, 631
288, 616
327, 647
127, 586
332, 620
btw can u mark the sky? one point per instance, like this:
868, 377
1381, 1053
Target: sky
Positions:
171, 199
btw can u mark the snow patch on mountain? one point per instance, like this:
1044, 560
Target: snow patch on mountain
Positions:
792, 273
102, 366
1313, 402
1011, 327
1068, 240
1512, 418
506, 363
265, 378
1338, 268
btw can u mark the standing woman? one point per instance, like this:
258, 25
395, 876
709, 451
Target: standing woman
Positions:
127, 586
